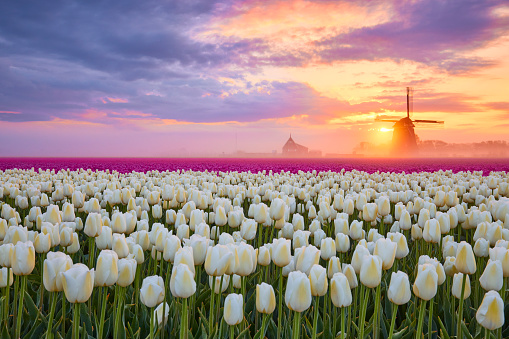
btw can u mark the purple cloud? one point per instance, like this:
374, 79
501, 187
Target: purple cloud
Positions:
432, 32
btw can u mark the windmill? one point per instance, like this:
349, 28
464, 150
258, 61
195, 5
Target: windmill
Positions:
404, 141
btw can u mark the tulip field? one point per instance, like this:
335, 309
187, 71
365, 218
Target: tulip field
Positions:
211, 254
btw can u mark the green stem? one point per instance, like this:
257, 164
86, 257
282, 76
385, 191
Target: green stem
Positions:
211, 311
152, 319
421, 318
430, 319
137, 288
49, 332
343, 316
103, 311
363, 310
232, 332
76, 322
280, 304
91, 252
376, 315
393, 320
120, 302
7, 296
315, 317
460, 308
296, 325
218, 306
15, 301
20, 305
41, 289
352, 311
453, 311
264, 325
334, 320
183, 321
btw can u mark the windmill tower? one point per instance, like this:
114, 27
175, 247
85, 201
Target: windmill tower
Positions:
404, 141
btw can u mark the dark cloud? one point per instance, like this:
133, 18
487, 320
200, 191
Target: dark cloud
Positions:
433, 32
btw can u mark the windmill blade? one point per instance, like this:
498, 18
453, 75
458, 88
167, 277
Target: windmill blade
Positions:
428, 121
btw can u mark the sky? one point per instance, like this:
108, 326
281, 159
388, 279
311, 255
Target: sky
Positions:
159, 78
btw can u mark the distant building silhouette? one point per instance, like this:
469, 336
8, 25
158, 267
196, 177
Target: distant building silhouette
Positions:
291, 148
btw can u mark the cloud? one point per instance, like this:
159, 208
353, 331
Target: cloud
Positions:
432, 32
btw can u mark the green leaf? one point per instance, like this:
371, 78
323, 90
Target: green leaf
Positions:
444, 333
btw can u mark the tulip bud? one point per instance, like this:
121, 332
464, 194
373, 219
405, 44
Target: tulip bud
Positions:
327, 248
78, 283
358, 256
118, 223
161, 317
356, 232
74, 247
200, 245
264, 258
68, 212
93, 225
431, 231
277, 209
185, 256
248, 229
152, 291
106, 273
126, 271
105, 240
298, 292
220, 216
182, 284
247, 260
66, 236
42, 242
490, 313
405, 221
137, 253
281, 252
399, 288
298, 222
265, 298
171, 246
371, 271
465, 259
482, 247
333, 266
341, 226
342, 243
384, 206
54, 264
493, 276
498, 253
119, 245
426, 282
341, 294
183, 231
217, 260
386, 250
457, 286
233, 309
318, 280
369, 212
4, 277
450, 266
306, 257
23, 258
